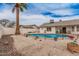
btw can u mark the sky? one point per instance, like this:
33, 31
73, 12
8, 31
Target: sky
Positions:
39, 13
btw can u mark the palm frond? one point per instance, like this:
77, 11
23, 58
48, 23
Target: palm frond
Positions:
13, 9
21, 9
24, 5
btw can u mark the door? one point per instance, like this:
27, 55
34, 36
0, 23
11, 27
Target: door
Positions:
64, 30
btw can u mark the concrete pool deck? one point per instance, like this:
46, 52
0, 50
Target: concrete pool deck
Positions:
28, 46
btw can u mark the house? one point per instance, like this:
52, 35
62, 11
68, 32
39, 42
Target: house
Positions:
66, 27
29, 28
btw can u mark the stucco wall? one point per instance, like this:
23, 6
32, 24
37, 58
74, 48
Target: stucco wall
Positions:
75, 30
69, 29
44, 30
53, 30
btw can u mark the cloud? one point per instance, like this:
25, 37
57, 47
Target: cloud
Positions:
7, 14
34, 19
24, 18
63, 12
38, 13
55, 9
59, 13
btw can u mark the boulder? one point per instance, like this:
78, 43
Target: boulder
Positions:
1, 30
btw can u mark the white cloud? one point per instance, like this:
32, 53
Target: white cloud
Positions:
7, 14
62, 12
27, 17
50, 6
24, 18
66, 18
34, 19
70, 18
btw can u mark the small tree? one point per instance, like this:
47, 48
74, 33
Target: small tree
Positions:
11, 24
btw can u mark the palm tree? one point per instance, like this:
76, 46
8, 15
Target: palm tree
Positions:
18, 7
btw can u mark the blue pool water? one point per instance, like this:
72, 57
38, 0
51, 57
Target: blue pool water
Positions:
49, 35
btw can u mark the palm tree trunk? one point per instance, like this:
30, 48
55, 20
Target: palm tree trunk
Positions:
17, 20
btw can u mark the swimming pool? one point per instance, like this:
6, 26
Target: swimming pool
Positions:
49, 35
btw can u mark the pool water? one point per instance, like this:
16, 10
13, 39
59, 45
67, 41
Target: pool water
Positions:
49, 35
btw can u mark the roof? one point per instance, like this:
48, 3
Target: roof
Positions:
29, 26
62, 23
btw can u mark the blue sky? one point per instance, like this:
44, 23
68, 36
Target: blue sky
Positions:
39, 13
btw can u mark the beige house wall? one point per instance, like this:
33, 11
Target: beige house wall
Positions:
71, 31
53, 30
75, 30
44, 30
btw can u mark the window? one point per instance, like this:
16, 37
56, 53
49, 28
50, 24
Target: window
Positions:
77, 28
72, 28
48, 28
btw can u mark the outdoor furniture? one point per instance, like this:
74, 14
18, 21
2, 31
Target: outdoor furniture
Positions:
73, 47
71, 37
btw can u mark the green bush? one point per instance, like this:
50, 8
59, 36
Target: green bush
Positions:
74, 43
